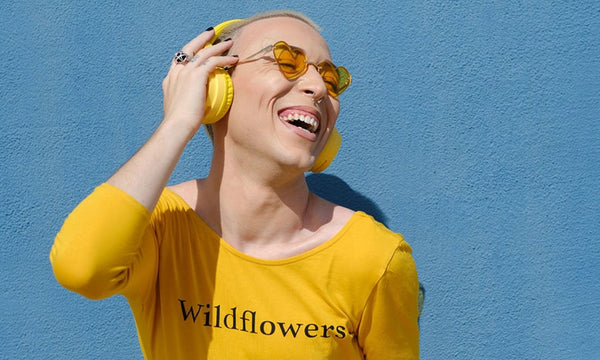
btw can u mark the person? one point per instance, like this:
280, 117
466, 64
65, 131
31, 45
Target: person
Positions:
246, 263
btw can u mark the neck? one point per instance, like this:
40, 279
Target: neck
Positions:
255, 210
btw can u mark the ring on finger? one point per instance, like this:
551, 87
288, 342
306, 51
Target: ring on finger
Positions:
182, 57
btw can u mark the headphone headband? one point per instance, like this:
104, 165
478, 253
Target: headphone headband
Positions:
222, 27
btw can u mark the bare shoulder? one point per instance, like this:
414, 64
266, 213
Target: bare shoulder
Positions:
187, 190
333, 216
342, 214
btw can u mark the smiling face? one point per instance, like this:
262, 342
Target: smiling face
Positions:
274, 119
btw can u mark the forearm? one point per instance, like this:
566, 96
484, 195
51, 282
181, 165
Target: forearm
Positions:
146, 174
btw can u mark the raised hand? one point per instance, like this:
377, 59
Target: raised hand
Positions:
184, 87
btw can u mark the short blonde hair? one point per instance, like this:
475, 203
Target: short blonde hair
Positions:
233, 30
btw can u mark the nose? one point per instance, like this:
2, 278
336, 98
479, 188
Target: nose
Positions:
311, 82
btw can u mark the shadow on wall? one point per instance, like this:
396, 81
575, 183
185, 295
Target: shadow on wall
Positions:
334, 189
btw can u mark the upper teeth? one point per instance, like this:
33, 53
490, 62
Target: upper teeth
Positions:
313, 124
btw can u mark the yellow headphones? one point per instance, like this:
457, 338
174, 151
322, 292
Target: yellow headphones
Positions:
219, 96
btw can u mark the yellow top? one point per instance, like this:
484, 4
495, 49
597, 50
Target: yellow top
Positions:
194, 296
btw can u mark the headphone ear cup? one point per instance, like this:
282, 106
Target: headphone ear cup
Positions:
219, 90
328, 153
219, 95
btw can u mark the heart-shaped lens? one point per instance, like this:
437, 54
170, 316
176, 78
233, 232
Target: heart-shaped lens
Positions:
291, 60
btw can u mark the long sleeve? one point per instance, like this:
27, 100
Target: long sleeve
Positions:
388, 328
105, 245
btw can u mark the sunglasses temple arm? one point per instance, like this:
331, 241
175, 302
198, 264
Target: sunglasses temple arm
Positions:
259, 52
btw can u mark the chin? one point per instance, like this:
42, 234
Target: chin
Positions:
303, 165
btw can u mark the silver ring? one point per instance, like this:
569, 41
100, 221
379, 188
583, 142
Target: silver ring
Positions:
182, 57
317, 101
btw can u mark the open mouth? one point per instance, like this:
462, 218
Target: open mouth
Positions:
303, 121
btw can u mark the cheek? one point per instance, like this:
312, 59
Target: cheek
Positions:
250, 93
333, 112
243, 89
253, 95
258, 81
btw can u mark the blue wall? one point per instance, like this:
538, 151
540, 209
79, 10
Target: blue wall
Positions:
473, 129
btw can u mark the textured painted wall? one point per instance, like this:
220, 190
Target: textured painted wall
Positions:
470, 128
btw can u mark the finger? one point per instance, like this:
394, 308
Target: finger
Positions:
193, 46
208, 52
214, 62
198, 42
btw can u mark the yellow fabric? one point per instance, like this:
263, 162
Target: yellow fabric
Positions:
195, 297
